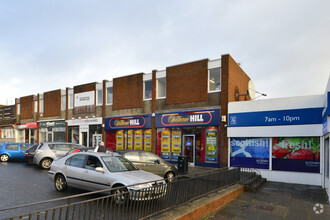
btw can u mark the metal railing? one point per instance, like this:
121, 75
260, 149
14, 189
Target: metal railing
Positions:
140, 204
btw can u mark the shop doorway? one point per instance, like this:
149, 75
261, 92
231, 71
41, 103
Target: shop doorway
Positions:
189, 147
84, 139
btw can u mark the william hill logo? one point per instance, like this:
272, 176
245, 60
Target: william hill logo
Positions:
179, 119
131, 122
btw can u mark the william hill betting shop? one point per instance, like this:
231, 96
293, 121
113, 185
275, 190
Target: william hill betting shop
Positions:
194, 134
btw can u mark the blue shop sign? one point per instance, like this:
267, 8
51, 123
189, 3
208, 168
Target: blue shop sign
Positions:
280, 117
191, 118
128, 122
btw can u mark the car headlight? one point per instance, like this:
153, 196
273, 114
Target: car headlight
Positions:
138, 186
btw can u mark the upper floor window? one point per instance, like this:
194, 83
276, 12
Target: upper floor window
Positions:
109, 95
214, 80
147, 89
18, 109
161, 87
63, 102
70, 98
35, 106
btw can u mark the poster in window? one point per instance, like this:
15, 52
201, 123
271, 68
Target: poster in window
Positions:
120, 140
211, 152
176, 144
165, 144
138, 139
300, 154
130, 139
147, 140
250, 152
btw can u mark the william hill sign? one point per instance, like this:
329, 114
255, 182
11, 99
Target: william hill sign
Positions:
197, 118
128, 122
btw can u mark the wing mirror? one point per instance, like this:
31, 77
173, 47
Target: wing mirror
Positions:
99, 169
157, 161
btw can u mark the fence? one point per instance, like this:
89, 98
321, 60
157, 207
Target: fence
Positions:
142, 204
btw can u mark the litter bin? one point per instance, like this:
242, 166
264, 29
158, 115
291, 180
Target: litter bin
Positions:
183, 164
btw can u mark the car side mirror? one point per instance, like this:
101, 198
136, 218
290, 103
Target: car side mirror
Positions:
157, 161
99, 169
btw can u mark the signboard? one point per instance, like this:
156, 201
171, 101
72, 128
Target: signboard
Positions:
138, 139
130, 139
165, 144
120, 140
272, 118
250, 152
300, 154
211, 155
52, 124
84, 99
27, 125
87, 121
196, 118
147, 140
176, 144
129, 122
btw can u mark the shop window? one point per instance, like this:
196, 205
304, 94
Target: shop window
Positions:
214, 80
109, 95
161, 87
99, 97
147, 89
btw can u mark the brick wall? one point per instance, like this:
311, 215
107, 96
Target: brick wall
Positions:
52, 103
27, 107
187, 83
233, 80
128, 92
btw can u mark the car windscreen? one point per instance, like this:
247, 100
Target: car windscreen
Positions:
118, 164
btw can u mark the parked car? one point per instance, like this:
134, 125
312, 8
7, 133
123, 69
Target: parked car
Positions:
47, 151
150, 162
97, 171
85, 149
13, 151
29, 154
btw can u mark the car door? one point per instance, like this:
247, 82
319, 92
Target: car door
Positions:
152, 163
73, 170
23, 148
60, 150
134, 157
13, 150
93, 179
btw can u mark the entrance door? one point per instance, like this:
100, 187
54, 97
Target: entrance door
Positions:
84, 139
189, 147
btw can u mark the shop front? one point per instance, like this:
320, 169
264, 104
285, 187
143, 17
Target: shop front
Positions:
52, 131
282, 138
129, 132
87, 131
27, 133
194, 134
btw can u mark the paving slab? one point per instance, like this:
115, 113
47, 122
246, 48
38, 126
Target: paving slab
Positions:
275, 200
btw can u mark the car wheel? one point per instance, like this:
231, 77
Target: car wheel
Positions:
4, 158
60, 183
120, 195
45, 163
169, 176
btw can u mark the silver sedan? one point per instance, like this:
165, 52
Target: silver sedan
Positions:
97, 171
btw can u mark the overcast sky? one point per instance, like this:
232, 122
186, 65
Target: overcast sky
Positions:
47, 45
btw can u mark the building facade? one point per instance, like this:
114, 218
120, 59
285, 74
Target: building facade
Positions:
179, 111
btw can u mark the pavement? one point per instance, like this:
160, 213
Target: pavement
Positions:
275, 200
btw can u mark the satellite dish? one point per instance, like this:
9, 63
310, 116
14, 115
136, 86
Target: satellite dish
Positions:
251, 90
